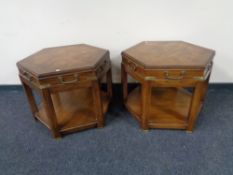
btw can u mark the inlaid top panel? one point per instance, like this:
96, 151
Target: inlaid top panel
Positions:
169, 54
63, 59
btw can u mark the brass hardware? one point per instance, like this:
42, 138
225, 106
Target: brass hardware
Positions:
132, 66
206, 73
68, 82
180, 77
200, 78
45, 86
189, 132
145, 130
150, 78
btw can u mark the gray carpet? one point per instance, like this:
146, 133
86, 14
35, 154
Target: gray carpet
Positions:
26, 146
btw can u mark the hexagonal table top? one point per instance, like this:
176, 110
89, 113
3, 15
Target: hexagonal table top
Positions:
63, 59
169, 54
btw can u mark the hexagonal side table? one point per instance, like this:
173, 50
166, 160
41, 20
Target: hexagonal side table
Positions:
164, 70
67, 80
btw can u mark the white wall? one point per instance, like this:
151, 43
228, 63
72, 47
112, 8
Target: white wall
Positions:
27, 26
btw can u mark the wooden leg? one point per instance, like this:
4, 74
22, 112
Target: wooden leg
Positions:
50, 112
30, 98
204, 89
98, 103
109, 82
124, 81
195, 106
146, 104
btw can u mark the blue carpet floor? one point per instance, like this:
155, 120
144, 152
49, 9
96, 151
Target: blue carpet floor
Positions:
26, 146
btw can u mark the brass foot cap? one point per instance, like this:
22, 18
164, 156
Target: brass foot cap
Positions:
189, 132
145, 130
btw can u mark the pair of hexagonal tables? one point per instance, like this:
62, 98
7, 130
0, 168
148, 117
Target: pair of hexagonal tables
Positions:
68, 81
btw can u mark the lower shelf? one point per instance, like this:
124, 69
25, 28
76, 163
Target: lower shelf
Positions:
74, 110
169, 107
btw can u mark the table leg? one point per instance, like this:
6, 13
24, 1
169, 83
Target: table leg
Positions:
50, 112
109, 82
146, 104
30, 98
124, 81
195, 105
96, 92
204, 89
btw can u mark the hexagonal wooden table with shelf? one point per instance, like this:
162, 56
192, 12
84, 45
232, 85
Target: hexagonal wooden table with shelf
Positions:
164, 70
67, 79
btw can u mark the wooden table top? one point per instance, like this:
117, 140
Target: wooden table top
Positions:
169, 54
63, 59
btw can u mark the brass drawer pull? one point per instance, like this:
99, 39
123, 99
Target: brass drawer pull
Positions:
68, 82
180, 77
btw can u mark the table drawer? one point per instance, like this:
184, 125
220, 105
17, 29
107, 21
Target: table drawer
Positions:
171, 76
66, 79
175, 75
179, 75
